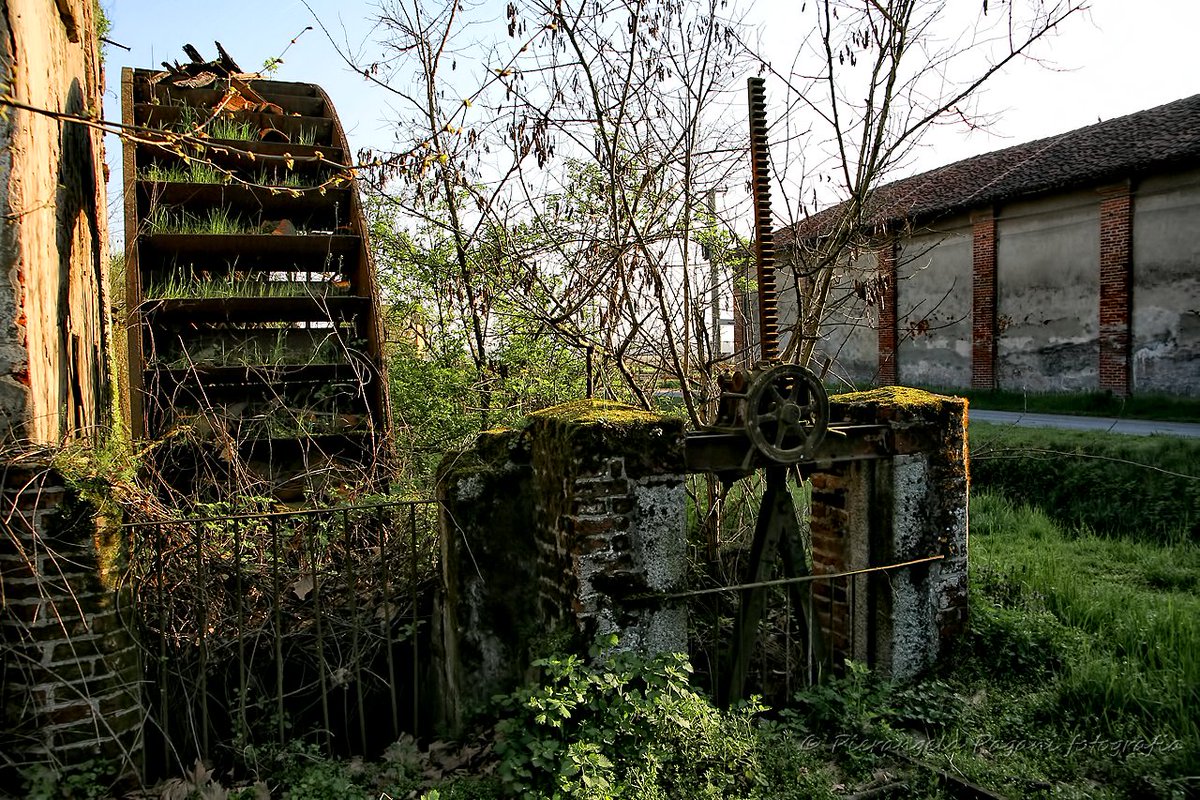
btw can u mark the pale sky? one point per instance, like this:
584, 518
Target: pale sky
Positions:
1121, 57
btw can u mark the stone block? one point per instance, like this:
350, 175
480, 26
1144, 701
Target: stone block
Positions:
877, 513
591, 513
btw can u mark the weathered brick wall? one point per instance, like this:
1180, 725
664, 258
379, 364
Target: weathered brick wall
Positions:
53, 225
983, 301
887, 511
71, 668
886, 374
554, 534
1116, 259
1092, 289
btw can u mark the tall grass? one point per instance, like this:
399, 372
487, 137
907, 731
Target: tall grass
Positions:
192, 172
228, 127
215, 221
1136, 667
179, 286
1143, 487
1170, 408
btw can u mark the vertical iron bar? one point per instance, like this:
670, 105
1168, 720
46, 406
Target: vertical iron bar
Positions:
241, 623
385, 624
787, 644
851, 597
776, 505
814, 620
164, 691
716, 659
355, 653
201, 626
318, 611
416, 664
277, 601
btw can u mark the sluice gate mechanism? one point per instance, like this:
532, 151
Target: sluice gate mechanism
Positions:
774, 417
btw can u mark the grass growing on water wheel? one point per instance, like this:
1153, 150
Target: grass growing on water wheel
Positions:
192, 172
218, 221
224, 286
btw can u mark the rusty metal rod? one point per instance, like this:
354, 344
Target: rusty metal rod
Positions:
764, 234
784, 581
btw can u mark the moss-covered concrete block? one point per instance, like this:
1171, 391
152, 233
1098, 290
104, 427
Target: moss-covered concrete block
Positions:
557, 533
911, 506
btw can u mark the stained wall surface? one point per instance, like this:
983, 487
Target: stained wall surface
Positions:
1166, 284
848, 338
1047, 294
53, 238
933, 306
1013, 296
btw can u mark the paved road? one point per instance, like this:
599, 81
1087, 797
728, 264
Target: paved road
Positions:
1136, 427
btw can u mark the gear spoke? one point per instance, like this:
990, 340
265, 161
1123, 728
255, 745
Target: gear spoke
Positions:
786, 413
780, 432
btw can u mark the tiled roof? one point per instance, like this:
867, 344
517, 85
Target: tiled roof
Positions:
1148, 141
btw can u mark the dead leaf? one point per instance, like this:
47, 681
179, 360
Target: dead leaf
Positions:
304, 586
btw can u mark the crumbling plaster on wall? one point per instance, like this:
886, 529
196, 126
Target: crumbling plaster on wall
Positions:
660, 532
548, 532
848, 331
914, 634
1166, 285
907, 507
933, 305
655, 545
53, 328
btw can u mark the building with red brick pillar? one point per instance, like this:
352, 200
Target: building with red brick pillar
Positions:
1067, 264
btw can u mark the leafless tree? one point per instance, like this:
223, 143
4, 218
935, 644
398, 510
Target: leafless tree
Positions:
566, 153
872, 78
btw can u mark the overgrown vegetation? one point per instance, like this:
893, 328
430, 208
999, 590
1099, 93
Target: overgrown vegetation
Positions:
179, 285
1078, 678
191, 172
217, 221
1166, 408
1142, 487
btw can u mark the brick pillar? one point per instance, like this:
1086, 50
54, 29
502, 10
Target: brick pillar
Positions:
1116, 287
983, 305
830, 516
887, 314
885, 511
553, 531
71, 673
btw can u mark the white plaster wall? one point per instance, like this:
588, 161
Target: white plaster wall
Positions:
933, 305
1047, 293
1166, 284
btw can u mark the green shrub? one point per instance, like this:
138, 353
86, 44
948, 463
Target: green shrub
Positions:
89, 780
631, 727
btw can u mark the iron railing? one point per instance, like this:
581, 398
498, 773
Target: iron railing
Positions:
276, 626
